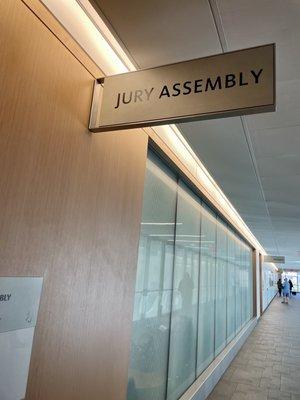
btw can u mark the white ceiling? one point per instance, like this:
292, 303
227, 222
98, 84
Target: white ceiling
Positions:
256, 159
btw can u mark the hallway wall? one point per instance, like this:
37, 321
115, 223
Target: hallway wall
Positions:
70, 212
269, 284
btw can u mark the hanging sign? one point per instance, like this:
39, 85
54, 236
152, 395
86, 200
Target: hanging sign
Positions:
274, 259
230, 84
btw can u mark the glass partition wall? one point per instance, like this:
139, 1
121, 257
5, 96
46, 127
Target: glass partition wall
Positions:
193, 288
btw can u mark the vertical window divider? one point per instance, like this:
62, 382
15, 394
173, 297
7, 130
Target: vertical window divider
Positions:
226, 284
241, 281
235, 296
162, 275
146, 275
199, 280
172, 293
215, 275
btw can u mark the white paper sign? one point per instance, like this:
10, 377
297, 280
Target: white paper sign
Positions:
19, 303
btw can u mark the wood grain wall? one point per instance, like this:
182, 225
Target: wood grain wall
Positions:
70, 205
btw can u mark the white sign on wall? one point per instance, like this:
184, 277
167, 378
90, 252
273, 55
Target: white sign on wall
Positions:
19, 303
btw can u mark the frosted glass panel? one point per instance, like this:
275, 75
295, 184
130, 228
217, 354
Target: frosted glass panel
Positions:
193, 290
183, 339
152, 307
207, 291
238, 283
250, 287
221, 288
245, 286
231, 282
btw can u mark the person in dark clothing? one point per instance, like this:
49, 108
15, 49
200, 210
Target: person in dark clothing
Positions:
291, 286
279, 286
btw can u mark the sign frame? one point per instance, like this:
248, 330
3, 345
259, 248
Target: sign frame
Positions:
99, 88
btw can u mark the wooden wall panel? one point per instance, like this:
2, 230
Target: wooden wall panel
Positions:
70, 211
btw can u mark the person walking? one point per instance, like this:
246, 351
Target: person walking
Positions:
291, 286
285, 291
279, 286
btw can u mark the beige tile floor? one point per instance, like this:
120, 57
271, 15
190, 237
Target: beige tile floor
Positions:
268, 365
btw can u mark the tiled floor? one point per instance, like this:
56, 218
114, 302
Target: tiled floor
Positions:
268, 365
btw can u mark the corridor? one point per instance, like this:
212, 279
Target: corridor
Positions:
268, 365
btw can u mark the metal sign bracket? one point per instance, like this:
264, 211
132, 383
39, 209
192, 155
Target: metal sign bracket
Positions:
96, 103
